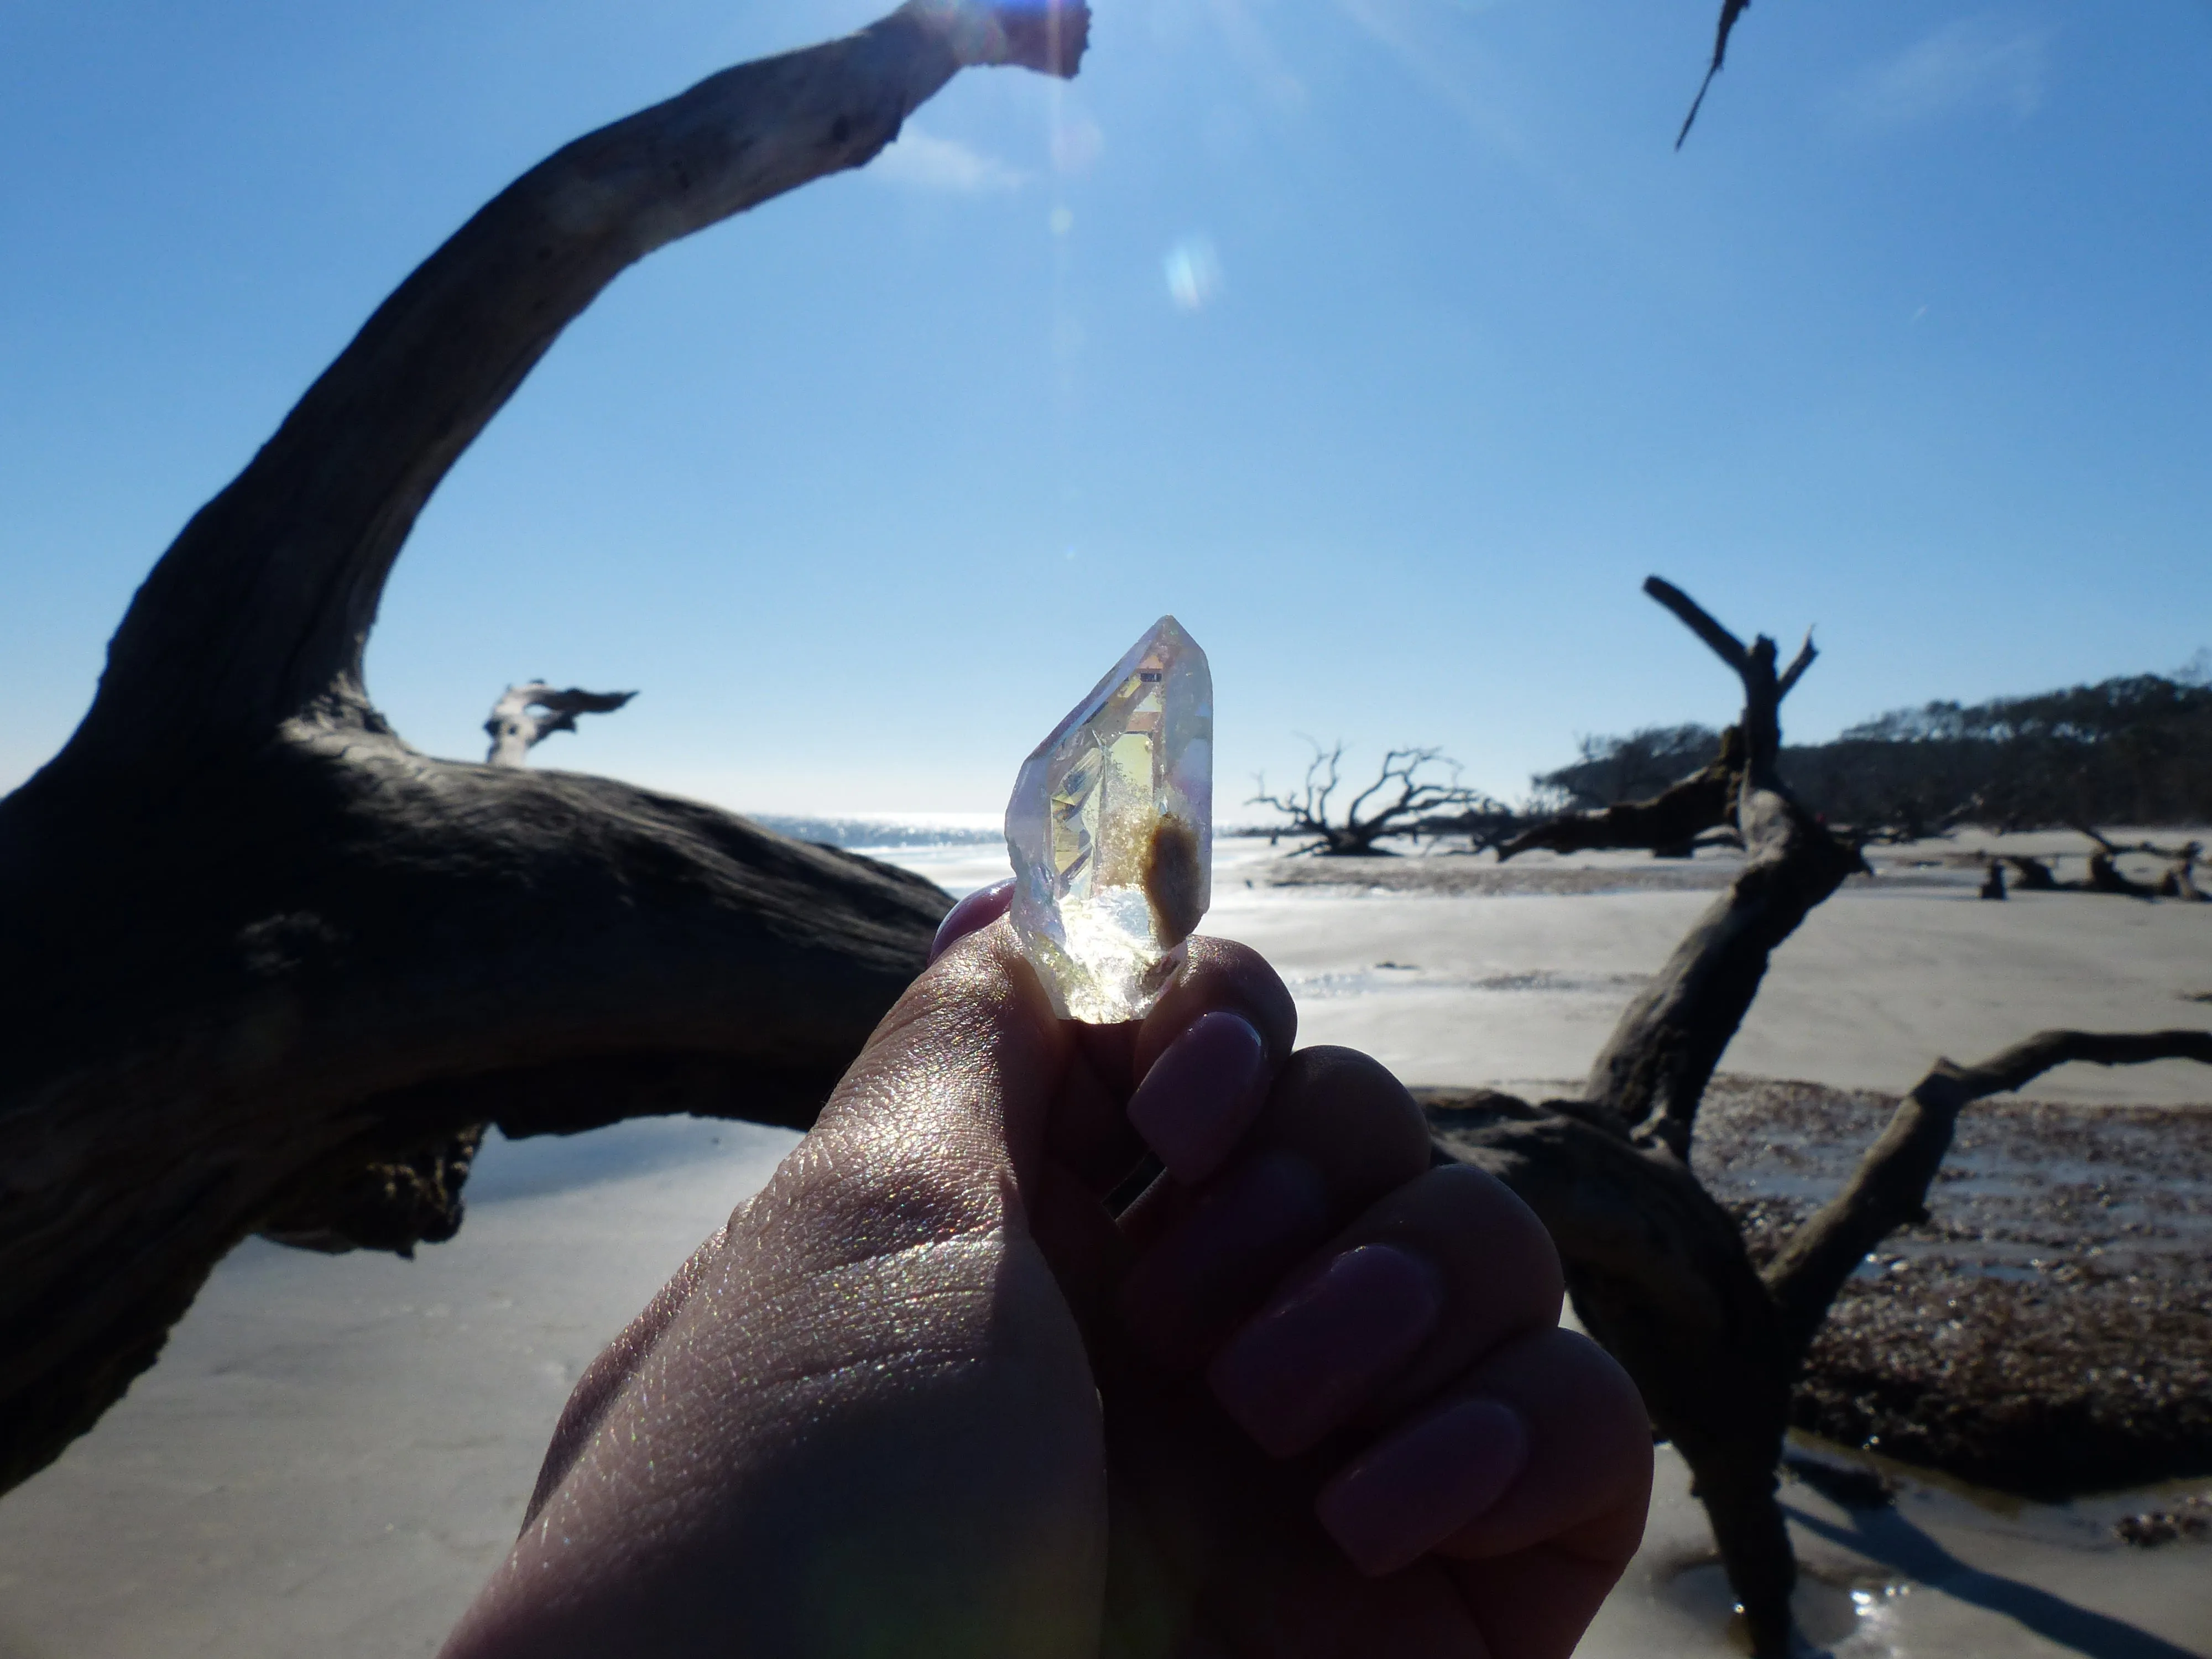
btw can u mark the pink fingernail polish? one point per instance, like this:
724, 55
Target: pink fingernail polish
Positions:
1310, 1360
1201, 1094
1223, 1256
1424, 1484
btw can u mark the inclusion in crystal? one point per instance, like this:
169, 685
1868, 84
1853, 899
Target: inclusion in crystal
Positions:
1111, 832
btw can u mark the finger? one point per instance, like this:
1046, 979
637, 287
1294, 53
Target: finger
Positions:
1088, 1131
1337, 1131
877, 1338
971, 915
605, 1376
950, 1095
1206, 1054
1539, 1464
1187, 1080
1219, 973
1589, 1479
1434, 1274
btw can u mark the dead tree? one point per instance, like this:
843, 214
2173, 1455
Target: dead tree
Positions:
264, 966
1399, 802
1658, 1270
2177, 880
1485, 827
525, 715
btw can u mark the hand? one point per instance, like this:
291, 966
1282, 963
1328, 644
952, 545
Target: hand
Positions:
928, 1395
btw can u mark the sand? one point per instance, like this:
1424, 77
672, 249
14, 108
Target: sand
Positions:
333, 1452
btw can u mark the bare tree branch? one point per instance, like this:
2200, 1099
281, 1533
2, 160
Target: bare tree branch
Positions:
1402, 813
265, 601
1889, 1189
1730, 10
1798, 665
261, 957
525, 715
1704, 800
1725, 645
1654, 1070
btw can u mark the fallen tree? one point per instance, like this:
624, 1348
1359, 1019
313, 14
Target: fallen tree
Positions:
1658, 1269
2104, 875
265, 967
1401, 801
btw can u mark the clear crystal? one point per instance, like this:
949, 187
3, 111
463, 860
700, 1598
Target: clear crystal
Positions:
1111, 831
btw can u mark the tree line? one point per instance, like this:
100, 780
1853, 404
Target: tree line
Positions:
2134, 750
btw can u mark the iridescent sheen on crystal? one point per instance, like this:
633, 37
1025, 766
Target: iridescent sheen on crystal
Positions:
1111, 832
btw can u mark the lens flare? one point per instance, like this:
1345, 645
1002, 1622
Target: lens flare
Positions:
1194, 273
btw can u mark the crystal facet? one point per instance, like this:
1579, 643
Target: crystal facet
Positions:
1111, 831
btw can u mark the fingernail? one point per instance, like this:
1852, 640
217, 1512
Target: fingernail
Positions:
1221, 1258
1201, 1094
972, 914
1308, 1362
1423, 1485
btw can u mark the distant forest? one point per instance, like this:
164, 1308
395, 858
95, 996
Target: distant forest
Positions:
2136, 751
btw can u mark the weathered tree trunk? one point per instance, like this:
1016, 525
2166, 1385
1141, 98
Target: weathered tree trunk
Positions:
264, 966
1658, 1269
2104, 877
1716, 1381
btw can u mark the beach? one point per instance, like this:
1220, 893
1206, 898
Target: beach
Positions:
333, 1452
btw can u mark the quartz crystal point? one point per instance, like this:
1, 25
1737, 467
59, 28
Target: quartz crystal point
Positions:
1111, 832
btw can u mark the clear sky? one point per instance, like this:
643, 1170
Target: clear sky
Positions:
1389, 343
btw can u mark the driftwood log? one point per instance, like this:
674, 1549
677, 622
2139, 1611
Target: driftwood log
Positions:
265, 967
2104, 874
1658, 1270
525, 715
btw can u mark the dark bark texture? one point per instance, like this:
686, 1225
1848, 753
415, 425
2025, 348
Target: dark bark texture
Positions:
264, 966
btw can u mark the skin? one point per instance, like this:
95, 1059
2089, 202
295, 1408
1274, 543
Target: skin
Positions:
931, 1393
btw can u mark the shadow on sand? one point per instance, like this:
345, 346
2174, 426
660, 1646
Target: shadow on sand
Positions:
1886, 1536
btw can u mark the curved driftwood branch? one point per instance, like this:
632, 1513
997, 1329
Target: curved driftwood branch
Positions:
525, 715
1804, 661
265, 601
1730, 10
1889, 1189
1653, 1071
264, 965
1676, 817
1658, 1270
1700, 622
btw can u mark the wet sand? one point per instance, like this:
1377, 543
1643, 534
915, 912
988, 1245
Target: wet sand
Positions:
333, 1452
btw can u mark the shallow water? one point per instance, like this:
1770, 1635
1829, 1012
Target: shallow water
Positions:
1944, 1572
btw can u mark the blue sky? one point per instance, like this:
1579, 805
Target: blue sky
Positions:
1387, 343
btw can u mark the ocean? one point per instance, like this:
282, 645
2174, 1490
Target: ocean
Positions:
958, 851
